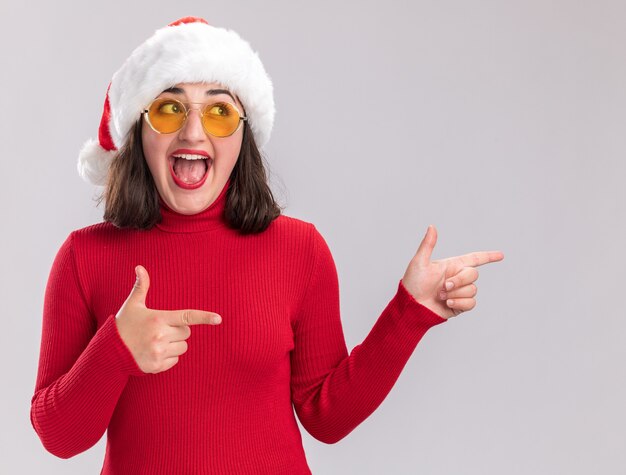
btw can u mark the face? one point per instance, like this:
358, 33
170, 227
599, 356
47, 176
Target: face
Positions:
179, 192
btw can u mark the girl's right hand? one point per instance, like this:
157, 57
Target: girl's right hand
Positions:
156, 338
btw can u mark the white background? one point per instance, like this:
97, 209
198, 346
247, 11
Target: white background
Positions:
500, 122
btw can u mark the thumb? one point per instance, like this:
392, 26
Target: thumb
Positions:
142, 284
427, 245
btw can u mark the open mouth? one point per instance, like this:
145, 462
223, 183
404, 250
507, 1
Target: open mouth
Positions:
189, 171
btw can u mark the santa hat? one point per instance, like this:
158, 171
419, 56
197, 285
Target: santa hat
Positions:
187, 50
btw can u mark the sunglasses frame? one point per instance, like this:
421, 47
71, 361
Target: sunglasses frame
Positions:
145, 113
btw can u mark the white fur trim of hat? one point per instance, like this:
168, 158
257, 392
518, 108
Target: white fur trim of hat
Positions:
187, 50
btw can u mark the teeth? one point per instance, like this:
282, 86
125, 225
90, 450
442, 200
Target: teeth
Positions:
188, 156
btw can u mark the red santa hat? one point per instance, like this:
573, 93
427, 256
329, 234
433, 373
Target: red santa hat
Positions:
187, 50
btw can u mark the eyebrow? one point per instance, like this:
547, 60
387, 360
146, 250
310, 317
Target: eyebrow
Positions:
210, 92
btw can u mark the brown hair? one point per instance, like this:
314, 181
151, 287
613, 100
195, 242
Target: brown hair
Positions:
132, 200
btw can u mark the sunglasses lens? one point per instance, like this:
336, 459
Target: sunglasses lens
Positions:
166, 115
220, 119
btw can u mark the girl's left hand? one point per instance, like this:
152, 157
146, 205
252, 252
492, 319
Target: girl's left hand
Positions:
425, 279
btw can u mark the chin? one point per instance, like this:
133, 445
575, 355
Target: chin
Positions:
189, 204
186, 207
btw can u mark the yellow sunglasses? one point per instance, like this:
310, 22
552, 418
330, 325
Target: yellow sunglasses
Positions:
167, 115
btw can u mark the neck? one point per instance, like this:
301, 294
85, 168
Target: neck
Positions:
206, 220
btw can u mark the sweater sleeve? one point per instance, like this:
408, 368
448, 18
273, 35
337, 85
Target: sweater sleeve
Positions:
334, 392
82, 371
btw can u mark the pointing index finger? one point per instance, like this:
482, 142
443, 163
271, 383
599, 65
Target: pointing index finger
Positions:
186, 317
475, 259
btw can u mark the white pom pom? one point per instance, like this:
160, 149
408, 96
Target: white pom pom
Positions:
94, 162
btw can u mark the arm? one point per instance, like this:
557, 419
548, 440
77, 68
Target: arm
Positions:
332, 391
82, 372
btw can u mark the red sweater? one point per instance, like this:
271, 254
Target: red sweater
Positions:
226, 407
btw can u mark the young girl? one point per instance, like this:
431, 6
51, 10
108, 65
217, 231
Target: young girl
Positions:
195, 319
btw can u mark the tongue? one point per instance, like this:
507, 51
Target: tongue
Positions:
190, 171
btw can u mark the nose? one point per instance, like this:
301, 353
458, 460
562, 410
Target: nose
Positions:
192, 130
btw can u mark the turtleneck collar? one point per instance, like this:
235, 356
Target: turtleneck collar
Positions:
206, 220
